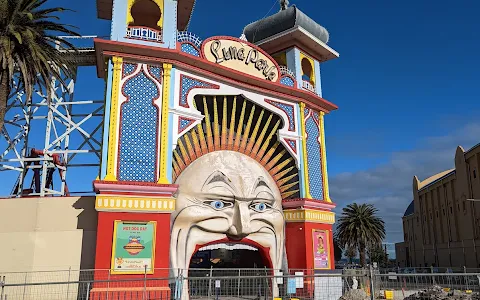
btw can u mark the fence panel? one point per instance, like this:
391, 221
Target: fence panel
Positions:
229, 284
427, 284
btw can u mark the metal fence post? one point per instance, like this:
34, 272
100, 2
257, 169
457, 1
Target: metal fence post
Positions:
145, 284
210, 283
2, 283
69, 273
25, 286
238, 287
88, 291
108, 283
433, 277
372, 289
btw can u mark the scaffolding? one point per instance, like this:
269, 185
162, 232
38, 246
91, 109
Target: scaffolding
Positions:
52, 133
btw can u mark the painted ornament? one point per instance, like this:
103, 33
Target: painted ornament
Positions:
134, 246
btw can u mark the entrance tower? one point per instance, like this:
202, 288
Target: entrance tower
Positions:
210, 145
299, 45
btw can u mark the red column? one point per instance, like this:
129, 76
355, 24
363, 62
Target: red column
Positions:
150, 203
299, 244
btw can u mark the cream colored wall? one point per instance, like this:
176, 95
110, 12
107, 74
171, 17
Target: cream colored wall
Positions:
455, 234
51, 233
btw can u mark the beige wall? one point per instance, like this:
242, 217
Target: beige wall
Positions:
50, 233
444, 229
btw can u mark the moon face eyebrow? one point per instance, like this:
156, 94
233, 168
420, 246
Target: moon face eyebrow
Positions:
218, 176
261, 186
261, 183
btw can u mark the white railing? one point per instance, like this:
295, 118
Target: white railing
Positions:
185, 36
284, 70
144, 33
308, 86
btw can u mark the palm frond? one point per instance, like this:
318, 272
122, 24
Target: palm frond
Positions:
28, 45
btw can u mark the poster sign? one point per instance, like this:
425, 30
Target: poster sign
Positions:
133, 247
279, 276
299, 280
321, 259
291, 286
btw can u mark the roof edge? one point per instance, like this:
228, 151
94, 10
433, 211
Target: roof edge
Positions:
452, 171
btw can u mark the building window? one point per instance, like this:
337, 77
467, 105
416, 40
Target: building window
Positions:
307, 70
474, 173
146, 15
444, 211
451, 210
437, 213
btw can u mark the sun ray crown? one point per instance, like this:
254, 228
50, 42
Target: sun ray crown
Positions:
222, 129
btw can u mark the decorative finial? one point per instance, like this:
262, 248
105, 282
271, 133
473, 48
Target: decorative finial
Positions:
283, 4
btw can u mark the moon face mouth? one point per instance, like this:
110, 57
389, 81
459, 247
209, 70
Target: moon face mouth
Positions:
228, 253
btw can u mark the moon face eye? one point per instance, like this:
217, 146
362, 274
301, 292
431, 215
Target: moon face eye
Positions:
218, 204
260, 207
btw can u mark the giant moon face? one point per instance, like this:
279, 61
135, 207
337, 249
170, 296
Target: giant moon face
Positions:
226, 197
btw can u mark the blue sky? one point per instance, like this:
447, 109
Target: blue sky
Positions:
406, 83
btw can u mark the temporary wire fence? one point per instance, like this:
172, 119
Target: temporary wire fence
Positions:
223, 284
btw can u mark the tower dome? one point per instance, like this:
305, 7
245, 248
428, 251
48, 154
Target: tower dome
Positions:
284, 20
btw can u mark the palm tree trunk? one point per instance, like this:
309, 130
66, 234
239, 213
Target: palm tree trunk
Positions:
361, 250
4, 92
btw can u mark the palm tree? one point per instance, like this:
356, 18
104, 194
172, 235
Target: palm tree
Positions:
360, 227
27, 48
337, 250
378, 254
351, 253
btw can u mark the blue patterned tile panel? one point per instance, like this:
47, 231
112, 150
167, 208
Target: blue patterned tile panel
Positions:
288, 81
156, 72
190, 49
138, 128
128, 68
292, 144
183, 123
314, 160
288, 109
188, 83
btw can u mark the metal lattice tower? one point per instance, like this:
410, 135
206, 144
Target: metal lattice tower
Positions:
43, 138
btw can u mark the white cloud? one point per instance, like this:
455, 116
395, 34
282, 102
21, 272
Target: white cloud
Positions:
389, 186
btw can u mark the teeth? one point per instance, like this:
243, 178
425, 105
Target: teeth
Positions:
228, 247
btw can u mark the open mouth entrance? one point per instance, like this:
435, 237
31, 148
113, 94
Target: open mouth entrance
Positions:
228, 256
235, 270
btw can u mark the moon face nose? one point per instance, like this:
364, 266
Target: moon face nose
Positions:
236, 234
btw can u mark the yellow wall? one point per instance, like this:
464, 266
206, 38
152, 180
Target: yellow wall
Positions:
50, 233
158, 2
444, 228
302, 56
280, 58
